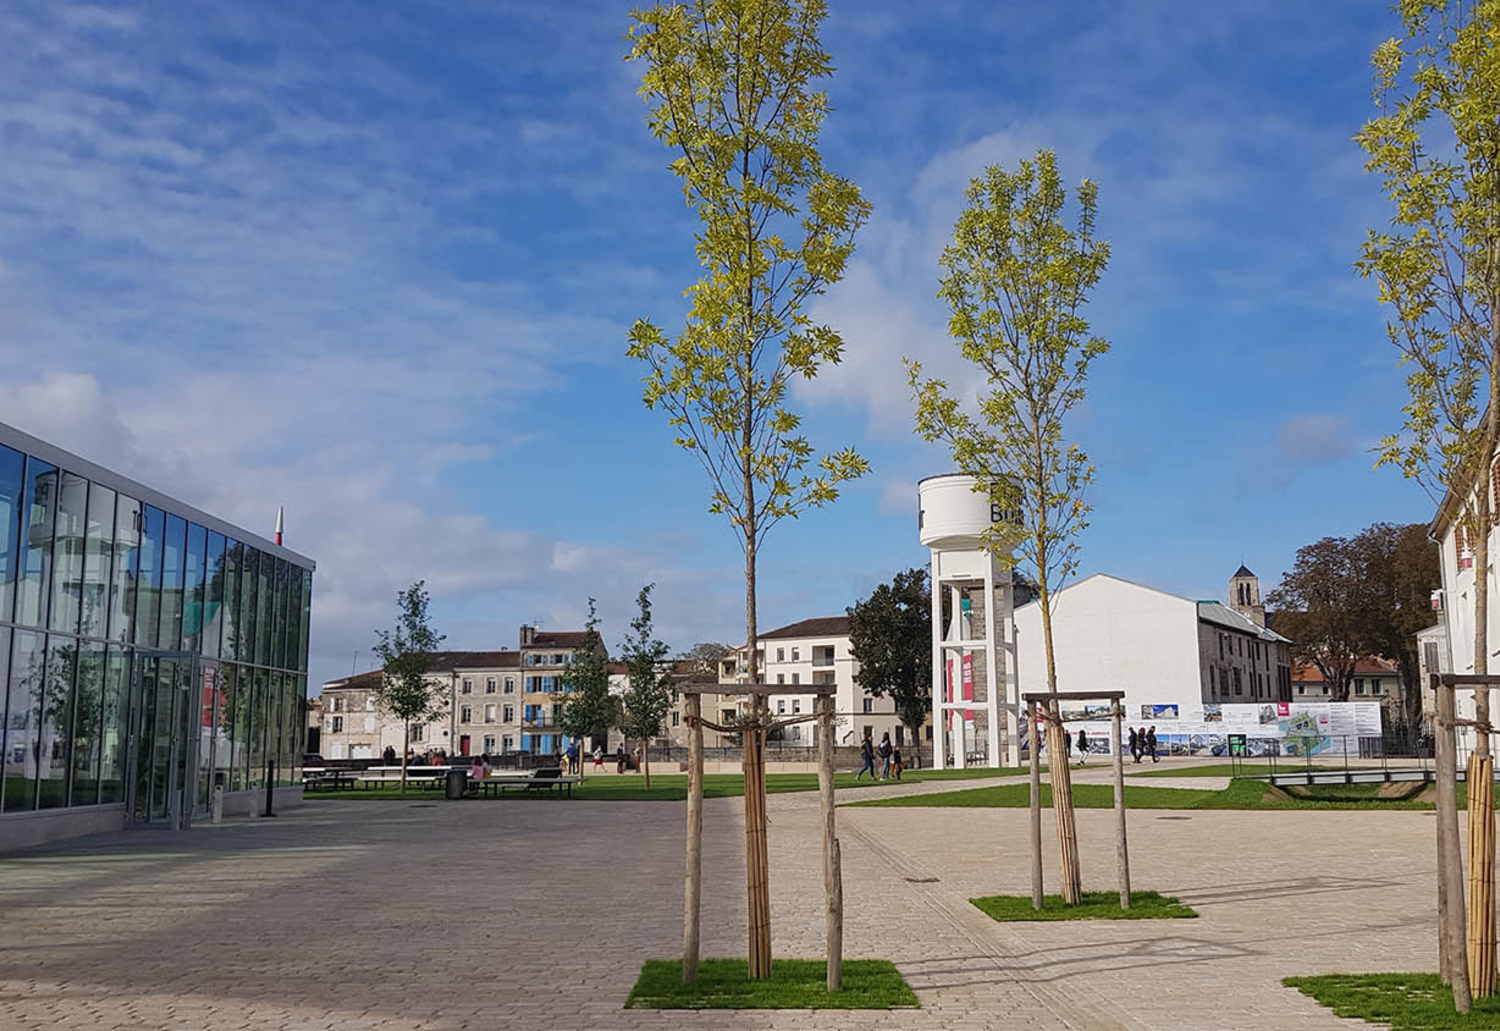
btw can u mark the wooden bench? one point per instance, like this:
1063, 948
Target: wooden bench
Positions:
545, 778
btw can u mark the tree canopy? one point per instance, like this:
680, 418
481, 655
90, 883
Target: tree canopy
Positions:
406, 658
587, 708
890, 634
647, 698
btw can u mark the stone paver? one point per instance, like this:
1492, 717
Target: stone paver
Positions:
537, 914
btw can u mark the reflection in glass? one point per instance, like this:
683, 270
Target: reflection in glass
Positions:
22, 734
173, 561
245, 646
12, 466
148, 584
127, 566
299, 726
278, 611
255, 716
55, 741
306, 619
67, 552
233, 763
192, 588
263, 611
234, 555
36, 543
213, 595
161, 735
98, 534
87, 724
211, 701
116, 701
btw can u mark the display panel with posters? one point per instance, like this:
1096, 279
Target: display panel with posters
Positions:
1268, 728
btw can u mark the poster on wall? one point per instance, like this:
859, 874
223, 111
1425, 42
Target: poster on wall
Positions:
1265, 728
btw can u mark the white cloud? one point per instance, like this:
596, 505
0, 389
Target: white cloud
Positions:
1315, 439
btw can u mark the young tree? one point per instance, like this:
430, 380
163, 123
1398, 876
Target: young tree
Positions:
890, 634
702, 659
1399, 571
648, 697
585, 708
731, 84
406, 657
1321, 606
1017, 280
731, 88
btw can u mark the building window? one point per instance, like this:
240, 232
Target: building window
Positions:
781, 678
489, 743
489, 714
510, 685
796, 678
1375, 687
1301, 689
509, 714
468, 686
928, 732
796, 706
676, 719
869, 705
1238, 683
780, 706
1213, 684
507, 743
465, 714
338, 703
338, 725
489, 685
780, 654
369, 724
728, 716
1359, 687
417, 731
796, 654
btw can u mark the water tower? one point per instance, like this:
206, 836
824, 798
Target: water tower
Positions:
972, 681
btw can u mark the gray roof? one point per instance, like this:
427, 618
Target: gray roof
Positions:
1243, 571
1219, 613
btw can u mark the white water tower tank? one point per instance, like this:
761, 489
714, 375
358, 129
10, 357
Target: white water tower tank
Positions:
951, 515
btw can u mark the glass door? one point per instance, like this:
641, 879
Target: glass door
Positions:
166, 721
208, 698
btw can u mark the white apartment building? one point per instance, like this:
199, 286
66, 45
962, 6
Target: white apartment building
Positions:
1456, 559
817, 651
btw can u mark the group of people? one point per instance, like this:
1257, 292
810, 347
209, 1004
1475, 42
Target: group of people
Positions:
1143, 742
889, 754
431, 757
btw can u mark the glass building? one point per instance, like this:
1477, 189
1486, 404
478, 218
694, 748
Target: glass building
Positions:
149, 653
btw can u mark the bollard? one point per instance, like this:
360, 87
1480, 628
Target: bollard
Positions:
218, 804
270, 785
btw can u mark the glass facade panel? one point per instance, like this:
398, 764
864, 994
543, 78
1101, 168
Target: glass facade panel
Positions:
88, 725
127, 565
98, 533
12, 469
115, 732
67, 552
263, 611
148, 580
192, 588
236, 688
36, 543
245, 648
302, 645
234, 557
255, 728
22, 734
213, 595
173, 566
278, 613
56, 721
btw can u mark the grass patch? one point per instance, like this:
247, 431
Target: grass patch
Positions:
1407, 1002
1093, 905
1240, 794
670, 787
794, 984
1205, 770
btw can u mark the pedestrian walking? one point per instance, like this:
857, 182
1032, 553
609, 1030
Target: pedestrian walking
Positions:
598, 757
885, 756
389, 755
1083, 745
1135, 745
1067, 747
896, 765
619, 758
866, 758
1151, 743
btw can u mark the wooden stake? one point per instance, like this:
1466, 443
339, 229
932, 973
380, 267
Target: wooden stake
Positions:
1034, 743
1450, 864
692, 889
1122, 851
832, 873
1062, 808
1481, 876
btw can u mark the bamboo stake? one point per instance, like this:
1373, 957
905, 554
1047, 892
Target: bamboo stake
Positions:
833, 881
1122, 851
757, 894
692, 890
1450, 865
1444, 950
1481, 876
1034, 744
1062, 808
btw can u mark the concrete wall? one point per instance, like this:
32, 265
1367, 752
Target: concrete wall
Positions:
27, 830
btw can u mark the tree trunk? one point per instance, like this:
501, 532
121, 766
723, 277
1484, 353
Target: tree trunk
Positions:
646, 764
692, 888
405, 748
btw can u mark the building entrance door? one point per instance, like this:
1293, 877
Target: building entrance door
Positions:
171, 763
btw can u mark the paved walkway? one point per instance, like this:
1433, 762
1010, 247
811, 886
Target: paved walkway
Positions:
536, 914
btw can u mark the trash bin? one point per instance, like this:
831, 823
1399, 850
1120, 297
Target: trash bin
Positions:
458, 783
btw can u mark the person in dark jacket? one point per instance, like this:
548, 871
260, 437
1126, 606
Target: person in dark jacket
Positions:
1135, 745
866, 758
1083, 745
885, 756
1151, 743
1067, 746
896, 764
389, 755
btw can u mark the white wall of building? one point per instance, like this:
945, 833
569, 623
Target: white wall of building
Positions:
1114, 635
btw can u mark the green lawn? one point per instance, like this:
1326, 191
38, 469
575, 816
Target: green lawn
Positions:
1406, 1002
672, 787
1092, 905
794, 984
1205, 770
1241, 794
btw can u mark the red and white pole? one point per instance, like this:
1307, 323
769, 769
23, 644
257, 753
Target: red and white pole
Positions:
280, 511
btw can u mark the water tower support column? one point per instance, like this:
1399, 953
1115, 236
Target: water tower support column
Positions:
939, 714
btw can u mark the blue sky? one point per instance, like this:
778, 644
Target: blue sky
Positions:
376, 261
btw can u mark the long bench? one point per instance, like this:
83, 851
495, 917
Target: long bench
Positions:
546, 778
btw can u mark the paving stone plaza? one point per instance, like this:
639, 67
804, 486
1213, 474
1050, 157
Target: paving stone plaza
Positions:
537, 914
